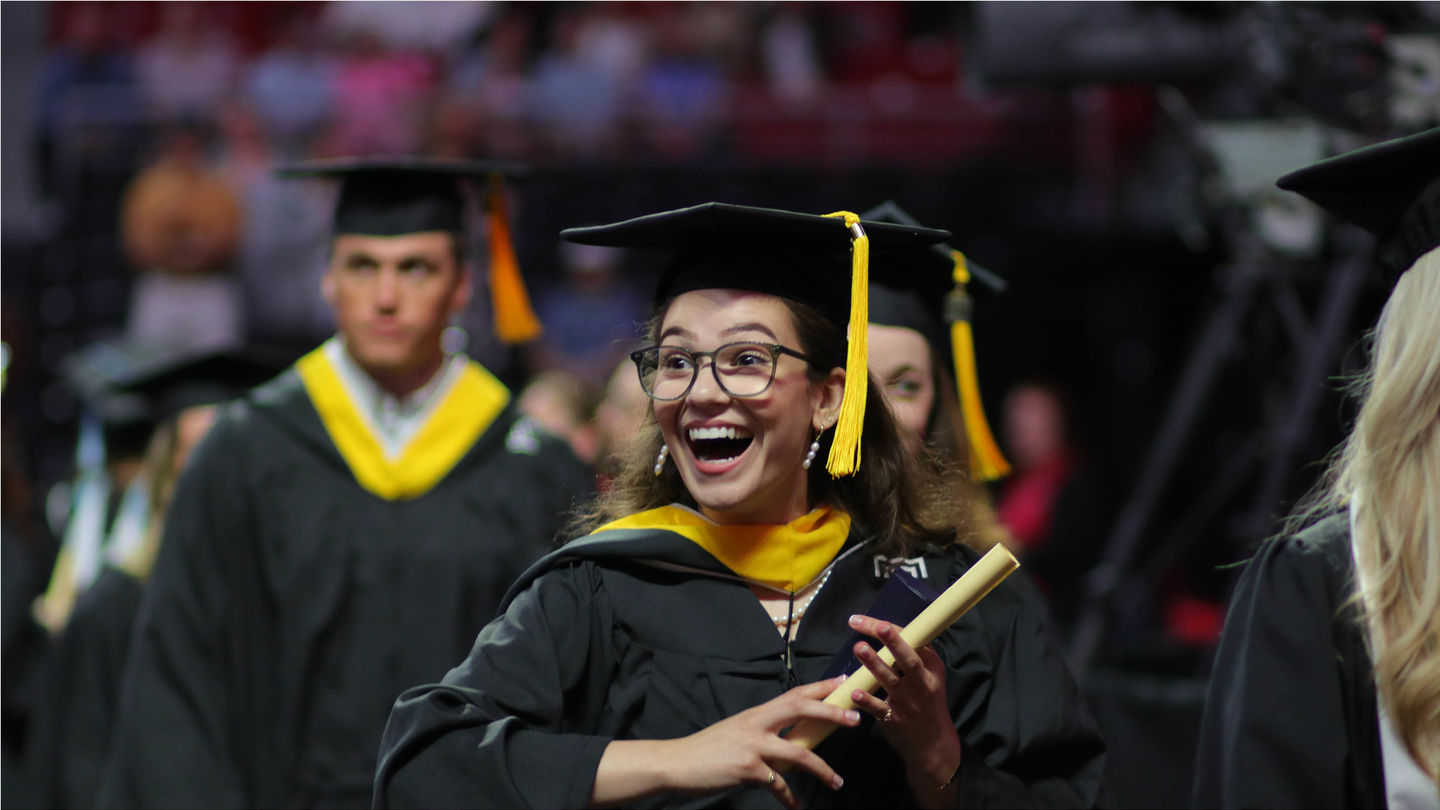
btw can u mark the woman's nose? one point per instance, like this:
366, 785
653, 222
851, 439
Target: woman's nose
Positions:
707, 386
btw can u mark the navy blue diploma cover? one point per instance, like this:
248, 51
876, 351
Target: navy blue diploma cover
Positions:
900, 600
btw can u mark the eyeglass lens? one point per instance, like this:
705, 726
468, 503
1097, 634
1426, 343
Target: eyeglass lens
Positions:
742, 369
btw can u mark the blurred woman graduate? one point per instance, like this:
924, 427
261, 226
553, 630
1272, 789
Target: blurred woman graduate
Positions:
182, 391
1326, 689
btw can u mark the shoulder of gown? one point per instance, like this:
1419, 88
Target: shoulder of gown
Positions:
1290, 719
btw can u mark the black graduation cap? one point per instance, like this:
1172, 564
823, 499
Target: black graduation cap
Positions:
94, 373
1391, 189
914, 286
822, 261
394, 196
927, 289
172, 383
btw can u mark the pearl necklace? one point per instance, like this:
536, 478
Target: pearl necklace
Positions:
784, 620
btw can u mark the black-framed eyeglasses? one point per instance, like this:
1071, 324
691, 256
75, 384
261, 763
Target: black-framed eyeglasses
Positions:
744, 369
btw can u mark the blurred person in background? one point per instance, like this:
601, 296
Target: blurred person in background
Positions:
180, 223
86, 73
591, 317
916, 311
684, 87
1038, 436
564, 405
290, 86
380, 94
491, 80
187, 69
342, 531
618, 418
1052, 504
282, 249
105, 496
575, 103
76, 707
1326, 686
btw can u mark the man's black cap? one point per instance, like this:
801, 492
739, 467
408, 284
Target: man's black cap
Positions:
394, 196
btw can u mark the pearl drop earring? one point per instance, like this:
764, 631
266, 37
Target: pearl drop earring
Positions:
660, 459
810, 456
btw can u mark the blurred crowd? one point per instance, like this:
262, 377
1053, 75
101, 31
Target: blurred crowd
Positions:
537, 81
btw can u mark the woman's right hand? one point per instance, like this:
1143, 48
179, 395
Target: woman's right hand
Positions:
742, 749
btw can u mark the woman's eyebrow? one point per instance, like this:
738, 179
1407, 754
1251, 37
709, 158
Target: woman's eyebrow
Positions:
901, 371
749, 327
676, 331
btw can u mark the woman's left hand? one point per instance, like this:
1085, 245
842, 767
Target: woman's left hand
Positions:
914, 716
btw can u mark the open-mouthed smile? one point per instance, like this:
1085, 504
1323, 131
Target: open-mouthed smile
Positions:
718, 445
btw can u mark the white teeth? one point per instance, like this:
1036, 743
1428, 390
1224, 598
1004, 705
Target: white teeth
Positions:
697, 434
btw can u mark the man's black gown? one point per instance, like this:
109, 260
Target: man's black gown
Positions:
1290, 720
641, 634
289, 606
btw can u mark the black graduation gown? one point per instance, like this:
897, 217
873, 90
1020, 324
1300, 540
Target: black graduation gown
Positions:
1290, 719
27, 555
597, 645
288, 607
76, 710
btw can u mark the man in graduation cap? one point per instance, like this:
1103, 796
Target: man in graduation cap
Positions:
345, 529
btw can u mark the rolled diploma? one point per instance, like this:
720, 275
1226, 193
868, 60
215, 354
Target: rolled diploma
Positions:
972, 586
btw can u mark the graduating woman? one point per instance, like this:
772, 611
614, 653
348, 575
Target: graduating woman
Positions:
922, 357
1326, 689
659, 659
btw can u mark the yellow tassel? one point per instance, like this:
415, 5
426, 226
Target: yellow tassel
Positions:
844, 456
515, 320
52, 609
986, 462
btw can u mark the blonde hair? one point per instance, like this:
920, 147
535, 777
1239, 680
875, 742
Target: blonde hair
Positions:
1388, 472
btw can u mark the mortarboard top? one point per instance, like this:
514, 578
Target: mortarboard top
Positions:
804, 257
927, 290
395, 196
913, 286
822, 261
187, 379
94, 373
1391, 189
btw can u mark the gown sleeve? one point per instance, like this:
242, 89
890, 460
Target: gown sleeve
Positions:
486, 738
1027, 739
1274, 733
173, 743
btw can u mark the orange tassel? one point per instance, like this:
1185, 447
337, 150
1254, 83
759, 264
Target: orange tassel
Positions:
515, 320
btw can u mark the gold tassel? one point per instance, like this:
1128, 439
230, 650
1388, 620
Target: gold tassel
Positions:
515, 320
844, 456
52, 609
986, 462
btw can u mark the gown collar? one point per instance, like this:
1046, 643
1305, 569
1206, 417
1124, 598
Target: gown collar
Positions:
784, 557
